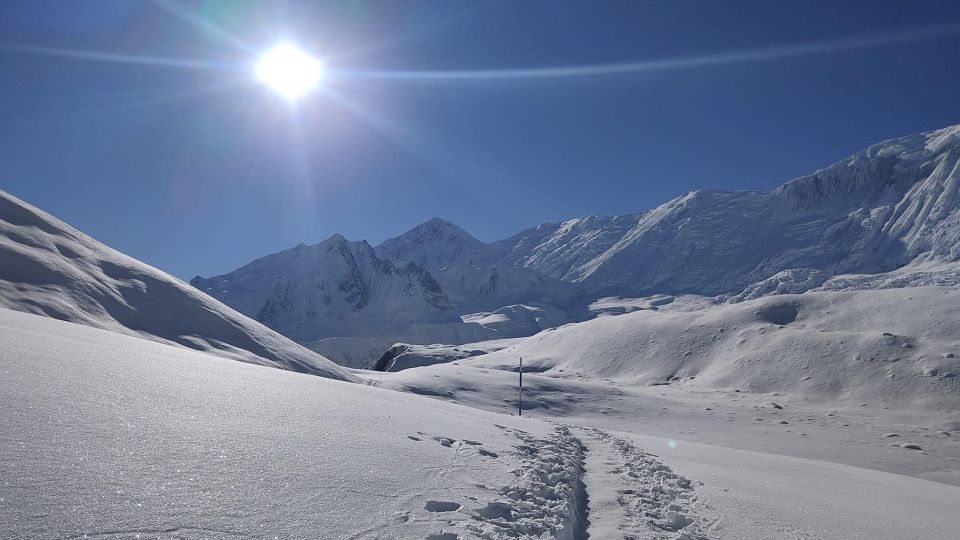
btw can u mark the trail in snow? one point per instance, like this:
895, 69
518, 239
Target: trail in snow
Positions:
634, 495
548, 499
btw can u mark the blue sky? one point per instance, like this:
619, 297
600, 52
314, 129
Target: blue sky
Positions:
198, 169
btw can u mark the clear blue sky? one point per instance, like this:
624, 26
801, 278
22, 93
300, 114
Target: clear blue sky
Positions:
198, 169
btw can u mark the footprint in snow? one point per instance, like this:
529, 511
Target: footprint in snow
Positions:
445, 441
441, 506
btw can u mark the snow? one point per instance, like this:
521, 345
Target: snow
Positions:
47, 267
352, 352
334, 288
884, 217
761, 495
110, 436
747, 479
633, 493
817, 394
434, 244
145, 447
344, 289
405, 355
170, 443
828, 347
877, 210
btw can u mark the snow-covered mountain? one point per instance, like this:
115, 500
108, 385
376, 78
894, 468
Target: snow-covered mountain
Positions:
416, 287
891, 207
49, 268
340, 288
334, 288
562, 250
878, 210
435, 244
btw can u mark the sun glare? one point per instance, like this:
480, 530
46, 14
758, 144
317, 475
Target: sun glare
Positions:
289, 71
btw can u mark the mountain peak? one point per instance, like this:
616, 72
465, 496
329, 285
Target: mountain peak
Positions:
438, 225
435, 243
335, 238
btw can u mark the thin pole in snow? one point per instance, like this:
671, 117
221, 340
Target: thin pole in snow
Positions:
520, 391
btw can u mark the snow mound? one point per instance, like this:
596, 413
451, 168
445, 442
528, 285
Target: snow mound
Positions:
616, 305
895, 345
793, 281
517, 320
49, 268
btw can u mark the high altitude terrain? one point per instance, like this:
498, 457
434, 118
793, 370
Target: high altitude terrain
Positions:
744, 365
884, 217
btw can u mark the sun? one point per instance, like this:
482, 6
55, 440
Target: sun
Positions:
289, 71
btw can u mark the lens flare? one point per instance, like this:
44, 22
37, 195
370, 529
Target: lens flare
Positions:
289, 71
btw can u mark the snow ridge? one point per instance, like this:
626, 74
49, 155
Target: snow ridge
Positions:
873, 212
49, 268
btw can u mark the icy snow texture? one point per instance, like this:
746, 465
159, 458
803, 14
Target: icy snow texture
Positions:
49, 268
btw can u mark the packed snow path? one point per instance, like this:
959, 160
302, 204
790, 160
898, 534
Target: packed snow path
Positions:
634, 495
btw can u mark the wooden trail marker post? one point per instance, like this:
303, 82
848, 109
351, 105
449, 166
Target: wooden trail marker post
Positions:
520, 391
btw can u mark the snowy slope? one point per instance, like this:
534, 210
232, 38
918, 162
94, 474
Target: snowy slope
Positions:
496, 285
900, 347
144, 450
110, 436
561, 250
52, 269
877, 210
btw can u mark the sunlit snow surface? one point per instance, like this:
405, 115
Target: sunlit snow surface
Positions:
113, 436
50, 268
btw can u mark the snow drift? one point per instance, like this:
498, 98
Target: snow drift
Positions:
900, 346
49, 268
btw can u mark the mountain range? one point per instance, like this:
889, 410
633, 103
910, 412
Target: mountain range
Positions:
885, 216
